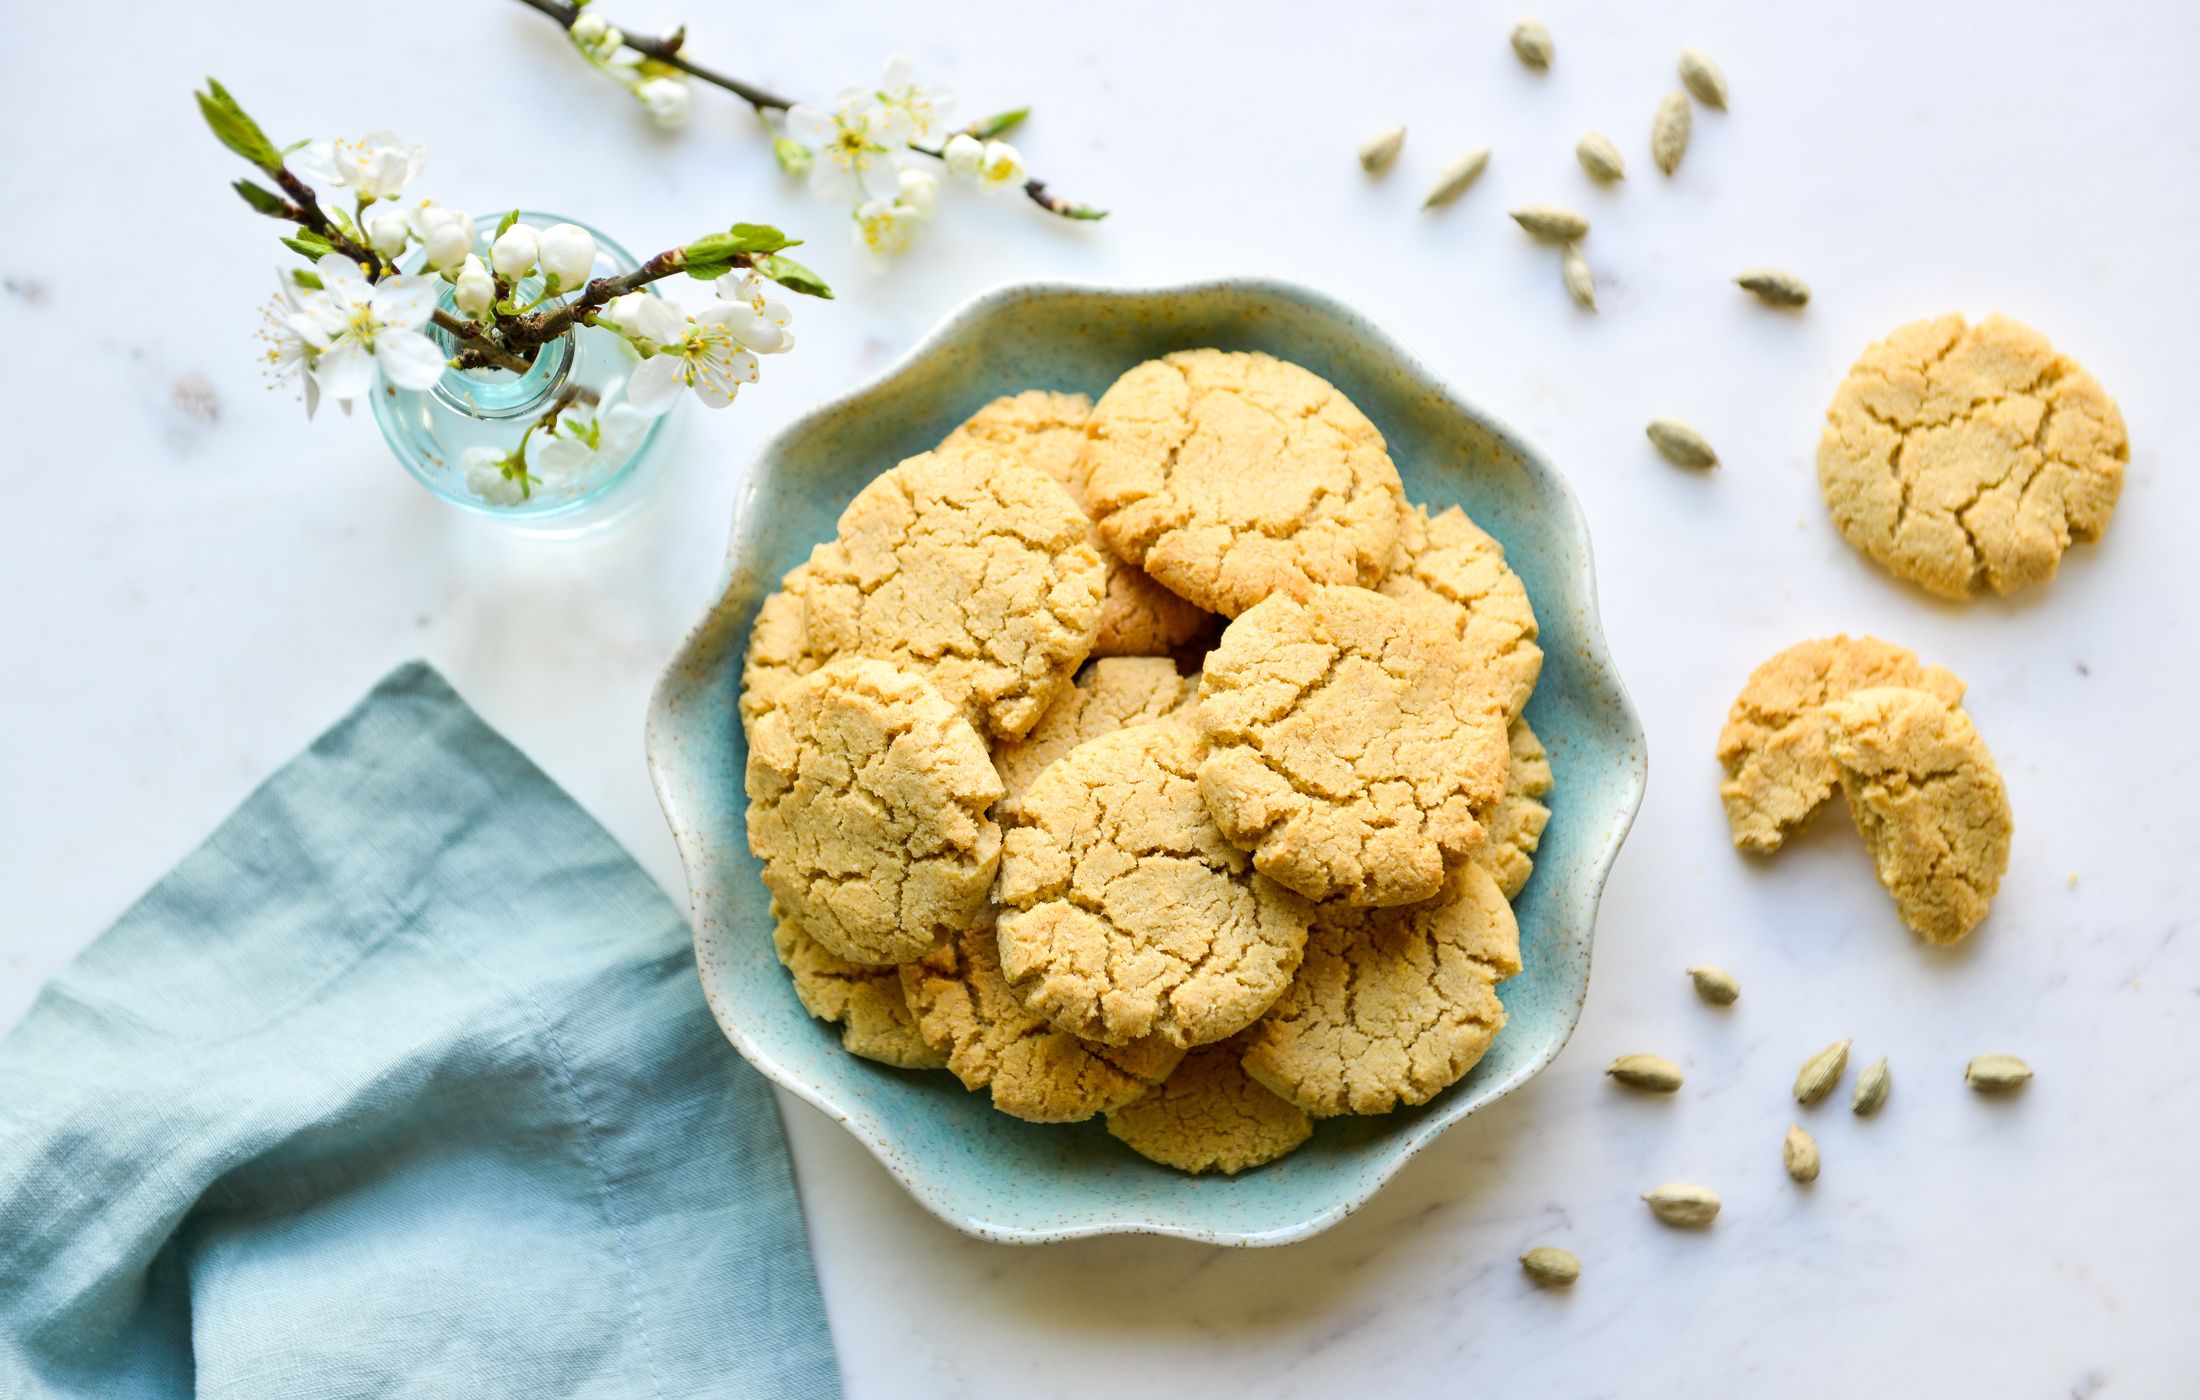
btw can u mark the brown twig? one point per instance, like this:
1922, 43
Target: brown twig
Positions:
540, 326
667, 51
479, 351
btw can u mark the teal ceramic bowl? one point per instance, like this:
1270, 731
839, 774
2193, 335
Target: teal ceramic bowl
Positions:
979, 1170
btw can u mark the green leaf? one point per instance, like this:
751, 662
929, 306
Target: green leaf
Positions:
1082, 211
234, 129
505, 223
311, 281
792, 155
262, 200
793, 276
713, 249
308, 244
999, 123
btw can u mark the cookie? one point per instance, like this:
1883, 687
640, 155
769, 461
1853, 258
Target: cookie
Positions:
1113, 693
867, 806
779, 652
1967, 457
1390, 1006
1209, 1115
1138, 617
972, 570
867, 1001
1351, 745
1774, 744
1449, 564
965, 1011
1125, 913
1929, 801
1229, 476
1516, 826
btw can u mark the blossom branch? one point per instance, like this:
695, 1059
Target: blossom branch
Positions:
667, 51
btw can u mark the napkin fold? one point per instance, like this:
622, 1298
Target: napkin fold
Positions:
401, 1084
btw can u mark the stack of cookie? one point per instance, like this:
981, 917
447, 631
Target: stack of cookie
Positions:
1018, 820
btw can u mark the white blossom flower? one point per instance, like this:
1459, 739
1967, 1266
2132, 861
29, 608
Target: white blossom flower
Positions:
373, 167
666, 99
500, 478
963, 153
388, 233
578, 451
764, 329
513, 254
649, 321
355, 326
857, 148
285, 324
923, 110
920, 190
568, 256
595, 37
709, 357
474, 291
446, 235
1001, 165
886, 226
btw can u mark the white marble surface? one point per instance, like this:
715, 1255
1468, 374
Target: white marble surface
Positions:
195, 581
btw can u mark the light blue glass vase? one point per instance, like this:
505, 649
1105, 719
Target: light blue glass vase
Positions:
586, 370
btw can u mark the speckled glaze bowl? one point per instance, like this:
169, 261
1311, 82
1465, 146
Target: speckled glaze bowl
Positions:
979, 1170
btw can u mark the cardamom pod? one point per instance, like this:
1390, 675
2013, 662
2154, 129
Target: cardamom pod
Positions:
1652, 1072
1680, 444
1821, 1072
1551, 223
1533, 43
1669, 132
1600, 158
1678, 1203
1581, 284
1549, 1265
1453, 179
1379, 150
1702, 77
1715, 984
1996, 1074
1774, 287
1800, 1154
1871, 1088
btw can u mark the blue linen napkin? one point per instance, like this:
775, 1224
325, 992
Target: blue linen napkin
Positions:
402, 1084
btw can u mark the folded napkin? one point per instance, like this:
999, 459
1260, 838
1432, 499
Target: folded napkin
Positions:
402, 1084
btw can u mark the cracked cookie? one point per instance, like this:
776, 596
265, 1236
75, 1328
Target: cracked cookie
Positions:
1125, 913
1112, 693
1516, 826
867, 1001
867, 806
964, 1010
1778, 768
1209, 1115
1229, 476
972, 570
1962, 457
1351, 745
779, 651
1929, 802
1449, 563
1138, 617
1390, 1006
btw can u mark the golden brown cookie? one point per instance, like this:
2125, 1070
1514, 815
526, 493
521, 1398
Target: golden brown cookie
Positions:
964, 1009
1229, 476
1210, 1116
779, 651
1450, 564
867, 1001
1351, 745
867, 806
1774, 744
1138, 617
1929, 801
1391, 1005
1124, 911
1113, 693
1962, 457
1516, 826
972, 570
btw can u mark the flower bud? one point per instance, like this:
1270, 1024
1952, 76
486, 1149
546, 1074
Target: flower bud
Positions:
962, 153
1003, 164
448, 240
666, 99
568, 256
596, 38
513, 254
919, 190
473, 292
388, 233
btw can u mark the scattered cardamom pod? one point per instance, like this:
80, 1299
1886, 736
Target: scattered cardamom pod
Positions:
1551, 1266
1551, 223
1702, 77
1715, 984
1600, 158
1379, 150
1581, 284
1652, 1072
1533, 43
1453, 179
1871, 1089
1680, 444
1800, 1154
1669, 132
1821, 1072
1678, 1203
1774, 287
1996, 1074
